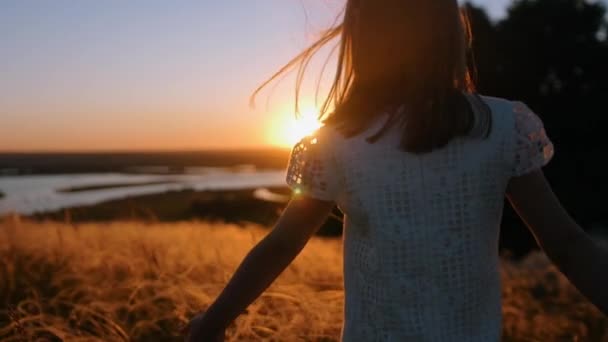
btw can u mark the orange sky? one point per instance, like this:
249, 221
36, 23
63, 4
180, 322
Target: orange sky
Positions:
150, 75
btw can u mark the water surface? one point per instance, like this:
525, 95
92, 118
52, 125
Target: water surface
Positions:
38, 193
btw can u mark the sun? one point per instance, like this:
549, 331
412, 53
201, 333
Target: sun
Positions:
288, 131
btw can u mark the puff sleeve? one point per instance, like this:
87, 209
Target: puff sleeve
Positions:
533, 149
311, 170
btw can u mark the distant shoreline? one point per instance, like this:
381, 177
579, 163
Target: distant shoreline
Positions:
242, 206
111, 186
174, 205
12, 164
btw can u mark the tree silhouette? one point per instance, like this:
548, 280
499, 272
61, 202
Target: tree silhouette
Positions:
551, 54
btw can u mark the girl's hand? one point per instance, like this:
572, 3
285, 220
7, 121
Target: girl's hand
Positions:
195, 331
301, 218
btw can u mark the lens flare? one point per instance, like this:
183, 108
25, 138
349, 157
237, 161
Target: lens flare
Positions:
290, 130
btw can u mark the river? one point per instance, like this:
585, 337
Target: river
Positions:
39, 193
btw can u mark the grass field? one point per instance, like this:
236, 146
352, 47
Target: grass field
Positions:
130, 281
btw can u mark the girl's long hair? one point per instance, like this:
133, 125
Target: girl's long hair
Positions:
410, 58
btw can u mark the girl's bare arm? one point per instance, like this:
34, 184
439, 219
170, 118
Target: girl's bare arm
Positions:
576, 254
265, 262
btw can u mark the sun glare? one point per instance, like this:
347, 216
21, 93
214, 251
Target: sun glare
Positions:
288, 131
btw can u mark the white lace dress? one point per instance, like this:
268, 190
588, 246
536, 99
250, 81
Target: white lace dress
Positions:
421, 232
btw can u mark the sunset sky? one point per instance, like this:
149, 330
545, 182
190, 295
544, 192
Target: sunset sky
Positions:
152, 75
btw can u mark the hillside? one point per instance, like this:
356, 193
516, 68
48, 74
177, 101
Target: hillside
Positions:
126, 281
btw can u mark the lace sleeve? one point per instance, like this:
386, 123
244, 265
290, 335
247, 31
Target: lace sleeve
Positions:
311, 169
533, 149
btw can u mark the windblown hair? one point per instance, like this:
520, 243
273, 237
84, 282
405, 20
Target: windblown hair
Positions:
410, 58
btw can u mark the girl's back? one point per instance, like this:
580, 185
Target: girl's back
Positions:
421, 230
422, 226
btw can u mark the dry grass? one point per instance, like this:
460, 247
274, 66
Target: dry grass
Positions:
131, 281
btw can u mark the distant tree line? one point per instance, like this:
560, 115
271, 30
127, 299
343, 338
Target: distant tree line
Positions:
553, 55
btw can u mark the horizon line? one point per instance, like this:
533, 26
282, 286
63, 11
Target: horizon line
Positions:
149, 151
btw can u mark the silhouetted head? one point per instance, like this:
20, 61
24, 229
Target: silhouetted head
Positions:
406, 42
405, 57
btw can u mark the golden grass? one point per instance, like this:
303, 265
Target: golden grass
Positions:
131, 281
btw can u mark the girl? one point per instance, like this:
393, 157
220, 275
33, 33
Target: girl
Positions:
420, 165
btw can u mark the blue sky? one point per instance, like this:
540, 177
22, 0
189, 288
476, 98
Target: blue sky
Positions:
124, 75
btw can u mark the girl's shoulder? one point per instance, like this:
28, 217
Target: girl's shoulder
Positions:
525, 131
312, 167
512, 113
503, 106
518, 113
321, 142
325, 137
498, 104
